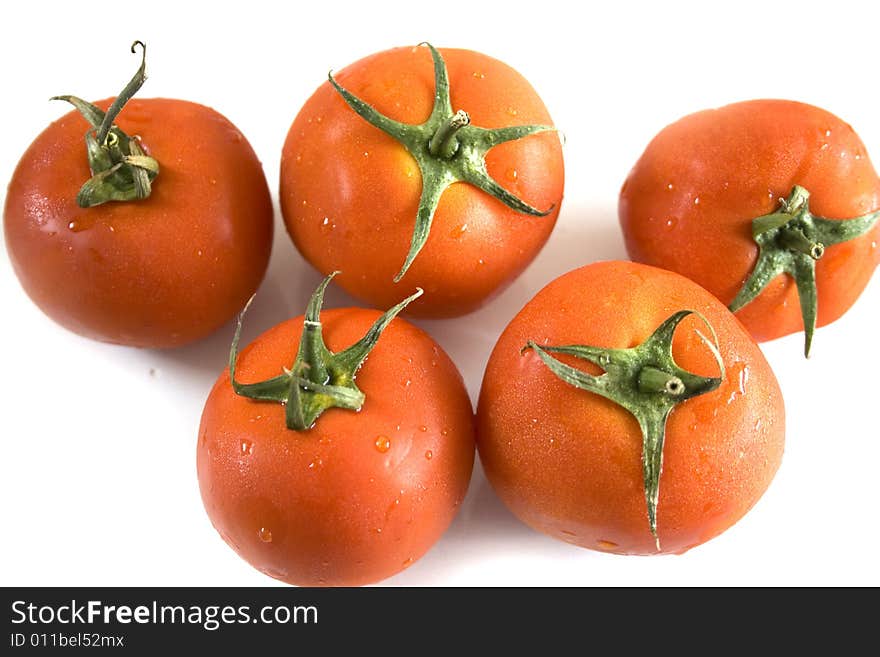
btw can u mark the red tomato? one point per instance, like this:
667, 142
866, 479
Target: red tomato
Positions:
690, 200
350, 192
571, 463
157, 272
360, 495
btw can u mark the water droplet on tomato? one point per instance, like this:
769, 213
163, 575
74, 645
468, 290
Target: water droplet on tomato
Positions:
697, 200
670, 187
383, 444
511, 175
458, 231
429, 455
75, 226
606, 545
740, 372
827, 133
512, 111
247, 447
478, 75
670, 223
265, 535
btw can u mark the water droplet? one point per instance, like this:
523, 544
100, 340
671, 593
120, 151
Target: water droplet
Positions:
512, 111
326, 221
697, 200
479, 262
670, 223
366, 153
75, 226
378, 530
407, 562
429, 455
199, 252
247, 447
423, 428
670, 186
407, 383
874, 244
458, 231
606, 545
511, 175
265, 535
478, 75
444, 432
827, 133
383, 444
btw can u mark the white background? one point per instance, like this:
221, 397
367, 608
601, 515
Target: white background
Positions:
97, 459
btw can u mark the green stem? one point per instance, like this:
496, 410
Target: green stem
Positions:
795, 240
121, 171
319, 379
444, 143
647, 382
652, 379
790, 241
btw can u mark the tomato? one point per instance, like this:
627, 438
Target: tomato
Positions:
351, 497
350, 192
576, 465
691, 201
159, 271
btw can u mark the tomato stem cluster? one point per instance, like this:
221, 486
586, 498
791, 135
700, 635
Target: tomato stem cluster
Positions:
647, 382
319, 379
447, 150
121, 170
790, 241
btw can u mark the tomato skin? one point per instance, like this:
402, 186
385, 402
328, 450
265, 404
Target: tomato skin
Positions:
731, 165
568, 462
339, 509
160, 272
338, 167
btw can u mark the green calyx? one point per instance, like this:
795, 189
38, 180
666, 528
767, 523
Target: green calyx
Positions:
447, 150
790, 241
318, 379
647, 382
121, 171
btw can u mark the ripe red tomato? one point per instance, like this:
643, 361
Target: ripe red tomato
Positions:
350, 192
160, 271
360, 495
576, 465
689, 204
